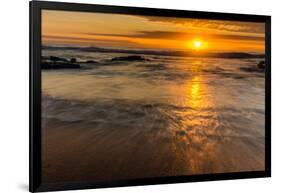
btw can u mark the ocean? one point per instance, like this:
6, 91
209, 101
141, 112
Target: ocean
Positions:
165, 115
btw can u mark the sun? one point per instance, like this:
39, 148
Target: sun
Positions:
197, 44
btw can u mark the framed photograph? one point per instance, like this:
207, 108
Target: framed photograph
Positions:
125, 96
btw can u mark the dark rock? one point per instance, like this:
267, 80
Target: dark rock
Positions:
54, 62
90, 61
261, 65
56, 59
45, 57
129, 58
59, 65
73, 60
251, 69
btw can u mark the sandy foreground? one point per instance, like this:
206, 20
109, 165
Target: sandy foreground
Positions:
75, 152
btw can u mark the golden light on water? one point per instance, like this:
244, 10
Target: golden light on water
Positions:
195, 96
196, 91
195, 88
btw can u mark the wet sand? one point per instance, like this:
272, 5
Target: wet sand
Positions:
85, 150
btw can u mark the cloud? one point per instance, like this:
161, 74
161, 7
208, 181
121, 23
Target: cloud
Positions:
67, 38
231, 26
180, 35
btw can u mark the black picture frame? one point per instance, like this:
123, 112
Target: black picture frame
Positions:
35, 184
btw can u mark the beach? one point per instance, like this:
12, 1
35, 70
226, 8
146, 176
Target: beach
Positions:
150, 116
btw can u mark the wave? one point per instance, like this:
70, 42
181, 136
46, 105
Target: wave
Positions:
144, 116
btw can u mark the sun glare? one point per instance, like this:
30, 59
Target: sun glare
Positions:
197, 44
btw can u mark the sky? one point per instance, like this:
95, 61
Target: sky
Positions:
150, 32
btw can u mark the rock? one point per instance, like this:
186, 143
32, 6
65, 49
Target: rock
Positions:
129, 58
73, 60
90, 61
59, 65
56, 59
54, 62
261, 65
251, 69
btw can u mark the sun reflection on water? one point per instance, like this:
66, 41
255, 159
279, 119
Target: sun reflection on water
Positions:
194, 92
201, 123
